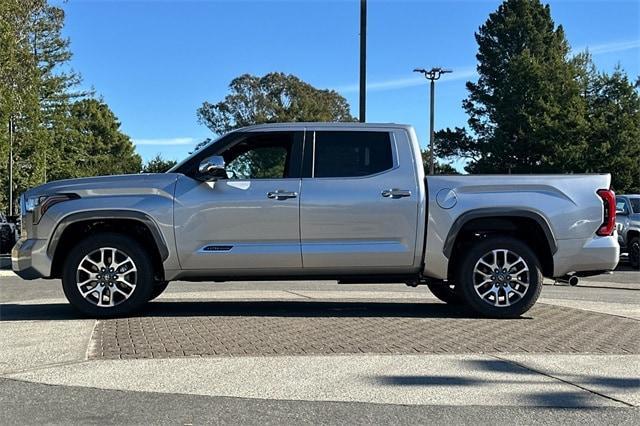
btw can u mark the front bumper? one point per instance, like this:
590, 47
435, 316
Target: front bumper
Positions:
593, 254
29, 259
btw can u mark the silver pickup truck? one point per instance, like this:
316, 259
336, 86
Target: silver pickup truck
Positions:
346, 202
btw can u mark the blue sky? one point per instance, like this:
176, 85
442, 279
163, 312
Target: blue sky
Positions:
155, 62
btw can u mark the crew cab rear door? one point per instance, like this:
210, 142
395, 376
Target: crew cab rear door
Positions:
249, 223
359, 204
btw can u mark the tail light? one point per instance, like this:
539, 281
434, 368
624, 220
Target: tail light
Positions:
609, 203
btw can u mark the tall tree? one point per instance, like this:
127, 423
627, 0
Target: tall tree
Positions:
19, 100
525, 111
54, 135
92, 144
439, 167
35, 91
613, 134
158, 165
275, 97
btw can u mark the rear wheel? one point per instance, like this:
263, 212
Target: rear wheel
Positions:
107, 275
446, 292
500, 277
634, 252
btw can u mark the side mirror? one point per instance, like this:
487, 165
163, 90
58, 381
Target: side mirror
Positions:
212, 168
622, 212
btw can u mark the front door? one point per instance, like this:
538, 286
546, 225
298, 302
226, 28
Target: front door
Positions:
359, 209
248, 223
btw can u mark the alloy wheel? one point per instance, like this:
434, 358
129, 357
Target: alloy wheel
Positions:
106, 277
501, 277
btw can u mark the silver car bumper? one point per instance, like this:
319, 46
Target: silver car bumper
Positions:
29, 259
594, 254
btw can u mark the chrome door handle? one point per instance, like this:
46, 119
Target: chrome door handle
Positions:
281, 195
396, 193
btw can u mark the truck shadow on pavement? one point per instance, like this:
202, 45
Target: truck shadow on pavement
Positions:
38, 312
509, 373
314, 309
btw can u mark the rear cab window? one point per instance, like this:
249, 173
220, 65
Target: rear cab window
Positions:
351, 153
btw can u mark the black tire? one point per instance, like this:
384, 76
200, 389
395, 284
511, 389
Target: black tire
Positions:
521, 304
634, 252
448, 293
124, 244
158, 288
6, 239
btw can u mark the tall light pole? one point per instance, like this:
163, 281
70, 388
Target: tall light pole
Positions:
433, 74
11, 165
363, 60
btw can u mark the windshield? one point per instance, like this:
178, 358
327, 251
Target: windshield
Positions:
178, 166
189, 166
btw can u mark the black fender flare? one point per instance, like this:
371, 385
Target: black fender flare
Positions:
493, 212
143, 218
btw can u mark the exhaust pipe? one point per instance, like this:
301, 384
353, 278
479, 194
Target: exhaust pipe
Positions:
572, 280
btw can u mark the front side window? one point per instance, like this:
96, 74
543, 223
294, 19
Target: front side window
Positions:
635, 204
261, 156
351, 153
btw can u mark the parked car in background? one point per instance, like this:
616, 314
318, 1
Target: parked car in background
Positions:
340, 201
628, 222
8, 234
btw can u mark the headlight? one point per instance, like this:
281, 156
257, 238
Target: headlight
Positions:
30, 203
39, 204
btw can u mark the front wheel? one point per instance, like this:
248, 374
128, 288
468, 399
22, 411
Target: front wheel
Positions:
107, 275
500, 277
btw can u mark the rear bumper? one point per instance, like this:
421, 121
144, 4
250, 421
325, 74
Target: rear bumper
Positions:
29, 259
594, 254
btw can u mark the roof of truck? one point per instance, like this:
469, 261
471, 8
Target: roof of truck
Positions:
324, 125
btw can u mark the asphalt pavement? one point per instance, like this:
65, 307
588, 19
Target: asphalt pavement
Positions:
51, 371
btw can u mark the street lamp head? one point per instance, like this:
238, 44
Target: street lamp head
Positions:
434, 73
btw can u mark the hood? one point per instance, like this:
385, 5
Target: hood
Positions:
109, 185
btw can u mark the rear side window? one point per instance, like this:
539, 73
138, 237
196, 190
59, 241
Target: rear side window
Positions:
351, 154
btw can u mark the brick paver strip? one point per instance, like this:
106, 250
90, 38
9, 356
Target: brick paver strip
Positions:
179, 329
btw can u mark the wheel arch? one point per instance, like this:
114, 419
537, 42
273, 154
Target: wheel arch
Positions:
480, 222
132, 223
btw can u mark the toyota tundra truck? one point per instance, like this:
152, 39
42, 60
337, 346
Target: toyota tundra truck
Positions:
308, 201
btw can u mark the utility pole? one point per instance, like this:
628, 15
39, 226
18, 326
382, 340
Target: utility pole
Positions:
433, 74
363, 60
10, 164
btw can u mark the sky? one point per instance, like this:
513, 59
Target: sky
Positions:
154, 62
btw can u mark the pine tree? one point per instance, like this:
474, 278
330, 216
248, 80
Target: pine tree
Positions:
525, 111
613, 134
